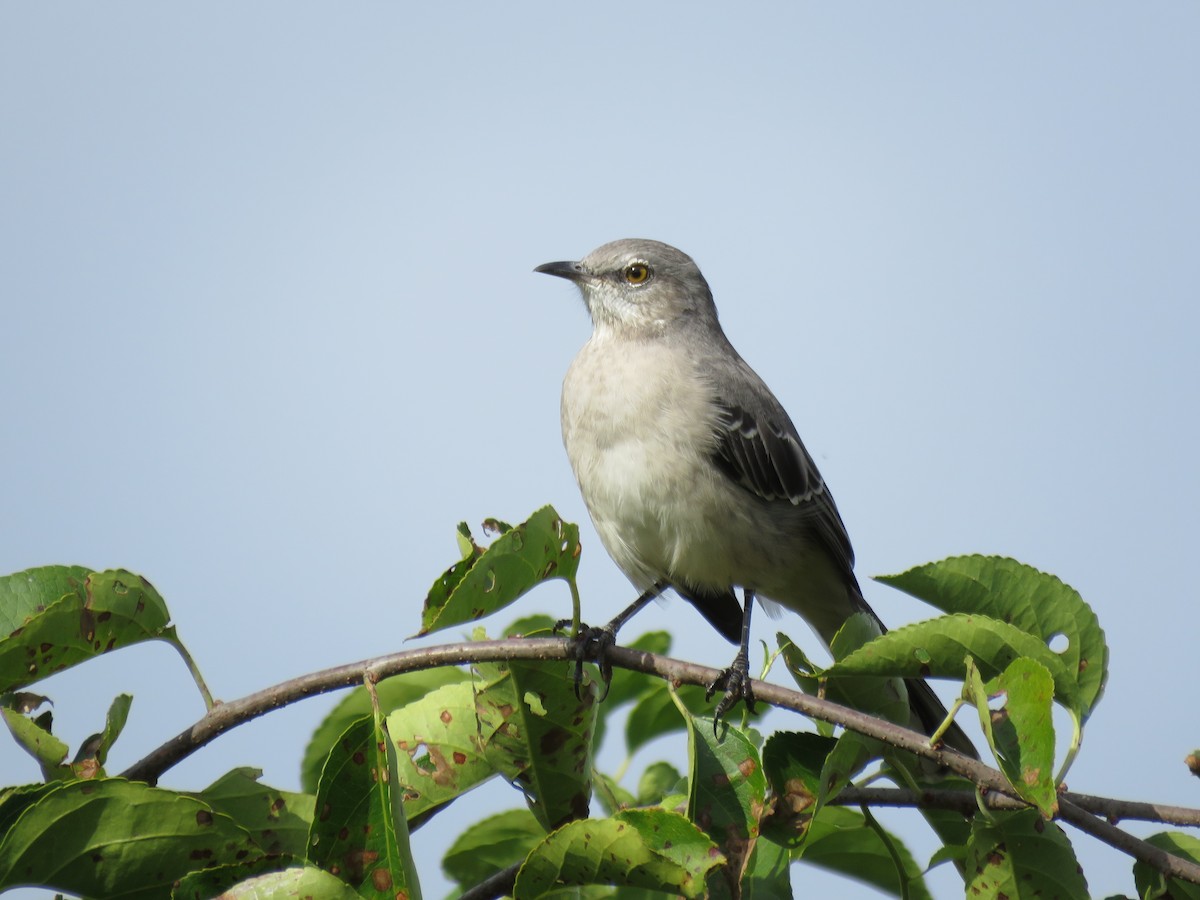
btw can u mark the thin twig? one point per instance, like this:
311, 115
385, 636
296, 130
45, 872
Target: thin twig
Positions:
966, 803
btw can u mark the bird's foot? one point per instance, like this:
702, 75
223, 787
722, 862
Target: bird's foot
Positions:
735, 682
591, 644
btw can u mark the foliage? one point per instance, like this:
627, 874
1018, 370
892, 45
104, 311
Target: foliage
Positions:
743, 813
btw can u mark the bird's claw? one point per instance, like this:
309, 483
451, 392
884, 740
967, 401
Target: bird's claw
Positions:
735, 682
591, 644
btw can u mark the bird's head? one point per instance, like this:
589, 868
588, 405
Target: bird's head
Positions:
639, 286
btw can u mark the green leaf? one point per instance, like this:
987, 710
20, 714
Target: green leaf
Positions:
538, 550
1021, 733
727, 795
490, 845
111, 837
658, 781
769, 875
793, 762
55, 617
1153, 883
114, 724
534, 624
355, 835
538, 734
939, 647
843, 841
850, 755
628, 686
888, 697
278, 883
38, 742
1029, 600
649, 848
1020, 854
609, 794
655, 713
279, 821
394, 693
439, 756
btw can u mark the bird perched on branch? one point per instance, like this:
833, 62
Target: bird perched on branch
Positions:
693, 473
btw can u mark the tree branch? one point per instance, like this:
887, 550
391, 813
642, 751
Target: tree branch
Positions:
1112, 810
1073, 808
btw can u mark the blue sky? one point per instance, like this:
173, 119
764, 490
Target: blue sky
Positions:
271, 330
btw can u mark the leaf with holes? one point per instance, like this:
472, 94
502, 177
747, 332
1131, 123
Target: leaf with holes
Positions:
1021, 731
939, 648
538, 734
521, 558
393, 693
439, 756
1032, 601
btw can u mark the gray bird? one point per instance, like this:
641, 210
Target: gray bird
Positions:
693, 473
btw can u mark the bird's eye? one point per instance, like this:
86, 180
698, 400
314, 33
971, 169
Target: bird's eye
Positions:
637, 273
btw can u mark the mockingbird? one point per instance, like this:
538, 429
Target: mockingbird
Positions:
693, 473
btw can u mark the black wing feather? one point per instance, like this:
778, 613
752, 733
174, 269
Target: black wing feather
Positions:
766, 457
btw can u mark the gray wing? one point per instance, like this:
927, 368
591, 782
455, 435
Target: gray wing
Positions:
763, 453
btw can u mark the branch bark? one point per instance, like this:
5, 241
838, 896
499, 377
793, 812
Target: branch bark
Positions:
1078, 809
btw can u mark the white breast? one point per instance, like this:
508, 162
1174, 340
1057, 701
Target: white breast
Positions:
638, 432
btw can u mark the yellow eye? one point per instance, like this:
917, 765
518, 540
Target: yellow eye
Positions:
637, 273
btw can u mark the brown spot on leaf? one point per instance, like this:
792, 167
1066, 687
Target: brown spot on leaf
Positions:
358, 758
204, 818
325, 812
104, 616
87, 625
356, 863
553, 740
747, 767
381, 879
460, 758
447, 717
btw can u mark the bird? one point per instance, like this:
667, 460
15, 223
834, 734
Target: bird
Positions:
692, 472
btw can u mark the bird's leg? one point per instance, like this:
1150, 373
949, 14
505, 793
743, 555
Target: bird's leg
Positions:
735, 681
593, 643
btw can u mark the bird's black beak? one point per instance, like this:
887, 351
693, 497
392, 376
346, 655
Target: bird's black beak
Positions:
572, 271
